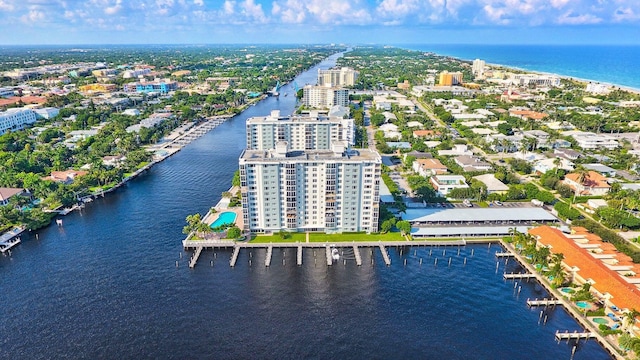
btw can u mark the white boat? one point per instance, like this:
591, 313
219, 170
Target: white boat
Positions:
335, 254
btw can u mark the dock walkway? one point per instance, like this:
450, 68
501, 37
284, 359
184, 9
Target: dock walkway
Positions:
329, 257
356, 253
385, 255
299, 255
194, 258
267, 259
574, 335
519, 276
543, 302
234, 257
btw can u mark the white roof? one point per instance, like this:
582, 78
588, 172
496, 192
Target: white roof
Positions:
462, 231
492, 183
493, 214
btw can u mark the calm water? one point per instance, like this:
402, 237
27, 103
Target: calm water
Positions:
105, 285
614, 64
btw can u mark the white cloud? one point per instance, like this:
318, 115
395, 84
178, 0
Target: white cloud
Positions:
6, 6
112, 10
33, 16
198, 2
569, 18
558, 4
625, 14
253, 11
229, 7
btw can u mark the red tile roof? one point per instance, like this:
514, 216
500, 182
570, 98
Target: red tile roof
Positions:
624, 295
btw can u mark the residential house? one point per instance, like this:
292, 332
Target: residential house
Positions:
504, 143
429, 167
425, 134
471, 163
542, 166
494, 186
65, 177
113, 160
592, 183
540, 136
568, 154
601, 169
457, 150
418, 155
415, 124
7, 193
445, 183
390, 131
589, 140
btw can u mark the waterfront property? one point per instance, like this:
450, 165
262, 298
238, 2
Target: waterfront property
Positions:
322, 190
612, 276
224, 218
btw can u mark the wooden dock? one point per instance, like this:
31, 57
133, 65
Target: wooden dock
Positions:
385, 255
574, 335
519, 276
356, 253
543, 302
329, 257
194, 258
234, 257
267, 259
299, 256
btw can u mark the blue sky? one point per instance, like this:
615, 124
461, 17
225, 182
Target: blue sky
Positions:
320, 21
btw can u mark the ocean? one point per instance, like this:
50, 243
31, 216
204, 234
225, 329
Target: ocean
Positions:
612, 64
105, 285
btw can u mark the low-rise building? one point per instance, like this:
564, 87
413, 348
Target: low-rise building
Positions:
429, 167
601, 169
16, 119
445, 183
65, 177
494, 186
7, 193
470, 163
589, 140
457, 150
590, 183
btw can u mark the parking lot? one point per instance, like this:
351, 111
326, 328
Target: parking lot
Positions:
448, 205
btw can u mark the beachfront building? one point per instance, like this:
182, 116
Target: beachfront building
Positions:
478, 68
535, 80
97, 88
337, 77
324, 97
16, 119
327, 190
301, 132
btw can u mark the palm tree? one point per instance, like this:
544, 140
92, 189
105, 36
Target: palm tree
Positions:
630, 318
557, 162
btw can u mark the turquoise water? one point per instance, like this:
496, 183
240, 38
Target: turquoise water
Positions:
583, 304
567, 290
615, 64
224, 218
601, 321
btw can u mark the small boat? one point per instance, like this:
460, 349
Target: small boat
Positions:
59, 222
335, 254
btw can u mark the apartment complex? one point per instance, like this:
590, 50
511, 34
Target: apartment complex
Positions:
450, 78
324, 97
15, 119
337, 77
478, 67
157, 86
299, 174
302, 132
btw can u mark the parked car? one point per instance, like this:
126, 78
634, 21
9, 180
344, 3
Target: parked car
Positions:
498, 203
467, 203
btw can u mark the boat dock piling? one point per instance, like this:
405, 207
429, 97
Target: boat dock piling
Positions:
299, 255
6, 245
234, 257
194, 258
329, 257
356, 253
267, 259
543, 302
385, 255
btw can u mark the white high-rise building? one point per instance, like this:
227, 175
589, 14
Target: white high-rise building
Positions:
337, 77
334, 190
478, 67
15, 119
324, 97
301, 132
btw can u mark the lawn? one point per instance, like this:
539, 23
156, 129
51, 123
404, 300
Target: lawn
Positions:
319, 237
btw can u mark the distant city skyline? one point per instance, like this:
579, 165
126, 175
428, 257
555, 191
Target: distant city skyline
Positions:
320, 21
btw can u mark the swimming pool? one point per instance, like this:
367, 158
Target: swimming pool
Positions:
583, 305
226, 217
602, 321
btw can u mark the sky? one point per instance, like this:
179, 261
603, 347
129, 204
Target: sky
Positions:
319, 21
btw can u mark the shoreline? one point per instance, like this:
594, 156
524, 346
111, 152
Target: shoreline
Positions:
532, 71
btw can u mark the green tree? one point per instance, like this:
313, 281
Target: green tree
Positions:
234, 232
404, 226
